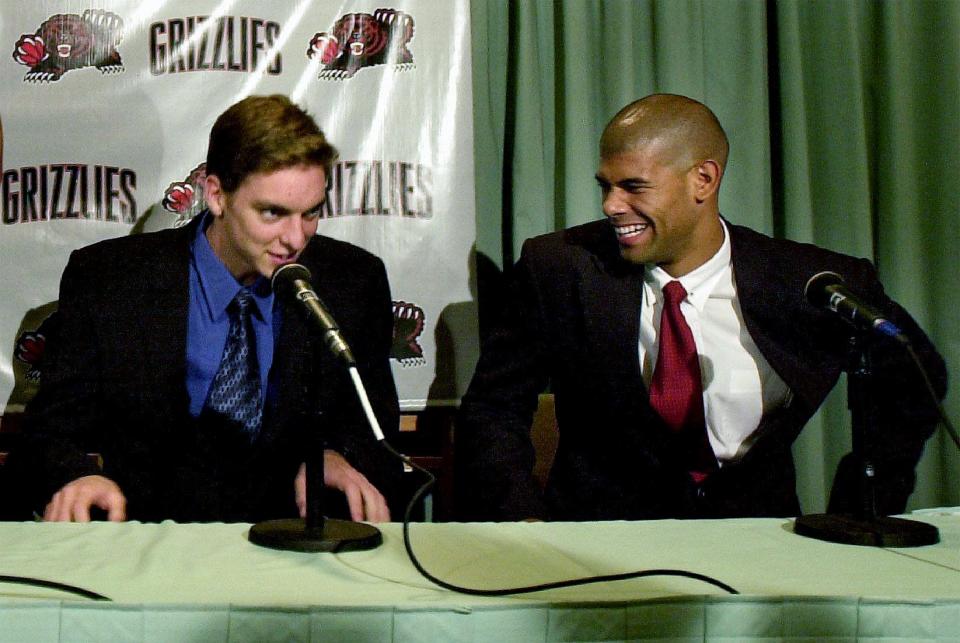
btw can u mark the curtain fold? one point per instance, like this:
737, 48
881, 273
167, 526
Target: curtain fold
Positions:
844, 122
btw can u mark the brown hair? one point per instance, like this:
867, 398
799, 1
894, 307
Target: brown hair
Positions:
264, 134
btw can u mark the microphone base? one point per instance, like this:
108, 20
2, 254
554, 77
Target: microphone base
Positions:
882, 531
333, 535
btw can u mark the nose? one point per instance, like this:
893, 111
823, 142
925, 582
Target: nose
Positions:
294, 234
613, 204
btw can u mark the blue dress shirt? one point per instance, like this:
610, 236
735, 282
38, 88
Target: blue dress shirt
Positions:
212, 288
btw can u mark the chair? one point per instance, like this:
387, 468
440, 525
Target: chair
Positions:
545, 436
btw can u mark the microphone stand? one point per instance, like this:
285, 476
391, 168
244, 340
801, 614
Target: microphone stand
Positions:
864, 527
317, 533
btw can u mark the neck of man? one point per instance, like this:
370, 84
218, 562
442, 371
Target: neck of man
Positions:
700, 249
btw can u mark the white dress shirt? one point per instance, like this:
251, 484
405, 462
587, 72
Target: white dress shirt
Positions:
739, 386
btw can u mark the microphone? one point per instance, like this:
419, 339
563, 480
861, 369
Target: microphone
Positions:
293, 280
314, 532
827, 290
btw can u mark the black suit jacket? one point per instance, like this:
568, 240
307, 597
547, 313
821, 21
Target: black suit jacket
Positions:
114, 382
573, 324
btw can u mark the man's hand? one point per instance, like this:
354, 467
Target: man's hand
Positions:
365, 502
72, 503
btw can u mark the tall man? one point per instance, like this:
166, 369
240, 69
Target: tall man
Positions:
683, 357
202, 391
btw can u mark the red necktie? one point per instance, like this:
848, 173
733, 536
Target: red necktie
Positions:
676, 392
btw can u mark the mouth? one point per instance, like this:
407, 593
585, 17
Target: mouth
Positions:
280, 258
630, 233
356, 48
64, 50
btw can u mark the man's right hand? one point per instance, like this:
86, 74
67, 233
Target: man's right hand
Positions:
74, 500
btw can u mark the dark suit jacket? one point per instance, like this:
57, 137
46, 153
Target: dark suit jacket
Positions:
573, 323
114, 382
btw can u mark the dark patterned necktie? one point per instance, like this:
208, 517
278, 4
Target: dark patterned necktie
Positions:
235, 391
676, 392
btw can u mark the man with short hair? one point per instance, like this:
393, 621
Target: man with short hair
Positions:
682, 354
202, 392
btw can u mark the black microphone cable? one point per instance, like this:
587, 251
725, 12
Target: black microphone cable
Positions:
527, 589
290, 274
49, 584
947, 424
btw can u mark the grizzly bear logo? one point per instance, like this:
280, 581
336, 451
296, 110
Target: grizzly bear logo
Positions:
360, 40
66, 41
32, 344
408, 323
185, 198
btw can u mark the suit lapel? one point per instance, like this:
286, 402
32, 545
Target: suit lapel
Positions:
611, 312
766, 302
296, 368
609, 291
611, 294
289, 381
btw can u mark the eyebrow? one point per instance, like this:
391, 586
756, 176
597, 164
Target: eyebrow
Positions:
318, 205
279, 209
635, 181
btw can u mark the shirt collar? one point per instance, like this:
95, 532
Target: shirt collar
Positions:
699, 283
218, 286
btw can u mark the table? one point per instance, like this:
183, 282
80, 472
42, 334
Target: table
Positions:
202, 582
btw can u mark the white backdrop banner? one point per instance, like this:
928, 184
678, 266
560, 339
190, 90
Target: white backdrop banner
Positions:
106, 106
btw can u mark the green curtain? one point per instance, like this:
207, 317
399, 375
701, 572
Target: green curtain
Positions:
844, 122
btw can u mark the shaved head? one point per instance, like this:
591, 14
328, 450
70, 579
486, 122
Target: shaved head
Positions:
685, 131
661, 164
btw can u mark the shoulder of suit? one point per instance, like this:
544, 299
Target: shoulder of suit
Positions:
744, 236
322, 244
329, 252
586, 235
587, 248
772, 256
133, 247
594, 238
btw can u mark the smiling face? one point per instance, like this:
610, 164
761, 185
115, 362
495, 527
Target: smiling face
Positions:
661, 162
267, 221
660, 207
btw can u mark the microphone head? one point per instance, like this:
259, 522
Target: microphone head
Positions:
288, 273
816, 289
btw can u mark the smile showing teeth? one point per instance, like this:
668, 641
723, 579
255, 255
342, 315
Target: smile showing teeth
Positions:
630, 230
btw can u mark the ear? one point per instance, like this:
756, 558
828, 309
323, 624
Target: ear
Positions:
214, 195
706, 180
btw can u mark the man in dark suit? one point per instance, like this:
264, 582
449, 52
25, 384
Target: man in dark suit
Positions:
680, 349
151, 333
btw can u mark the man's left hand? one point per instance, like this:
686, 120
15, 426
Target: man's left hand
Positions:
365, 502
